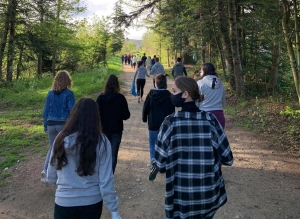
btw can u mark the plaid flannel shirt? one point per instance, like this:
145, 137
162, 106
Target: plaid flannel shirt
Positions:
190, 148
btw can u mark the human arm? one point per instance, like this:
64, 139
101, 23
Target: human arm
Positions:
51, 170
46, 111
125, 109
221, 144
71, 101
162, 145
106, 178
223, 98
146, 109
137, 69
184, 71
173, 72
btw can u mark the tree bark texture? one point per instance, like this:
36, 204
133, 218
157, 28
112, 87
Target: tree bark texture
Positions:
226, 43
234, 40
285, 18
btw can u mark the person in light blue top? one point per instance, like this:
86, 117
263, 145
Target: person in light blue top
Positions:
59, 103
81, 166
140, 75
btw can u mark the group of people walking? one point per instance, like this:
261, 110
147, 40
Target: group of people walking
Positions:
189, 145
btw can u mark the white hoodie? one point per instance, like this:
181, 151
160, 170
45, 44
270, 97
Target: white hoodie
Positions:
214, 93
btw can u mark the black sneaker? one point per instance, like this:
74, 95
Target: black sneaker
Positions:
153, 172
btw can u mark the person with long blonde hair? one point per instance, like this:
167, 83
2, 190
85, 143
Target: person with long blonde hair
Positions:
59, 103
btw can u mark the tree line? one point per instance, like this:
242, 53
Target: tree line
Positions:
38, 36
254, 43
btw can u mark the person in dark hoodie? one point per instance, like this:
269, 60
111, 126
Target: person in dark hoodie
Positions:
210, 85
178, 69
157, 106
59, 103
113, 108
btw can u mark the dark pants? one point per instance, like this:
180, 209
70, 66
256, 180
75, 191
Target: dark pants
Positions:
140, 84
115, 141
220, 116
78, 212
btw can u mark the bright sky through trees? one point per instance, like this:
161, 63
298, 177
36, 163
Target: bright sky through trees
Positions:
105, 8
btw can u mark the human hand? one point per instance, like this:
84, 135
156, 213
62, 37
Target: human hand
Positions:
115, 215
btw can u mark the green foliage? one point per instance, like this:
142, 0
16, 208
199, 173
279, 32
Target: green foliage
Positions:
289, 111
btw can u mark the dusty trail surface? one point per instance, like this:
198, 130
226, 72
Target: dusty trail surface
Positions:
262, 183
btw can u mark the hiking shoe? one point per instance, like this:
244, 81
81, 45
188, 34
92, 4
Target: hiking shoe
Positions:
153, 172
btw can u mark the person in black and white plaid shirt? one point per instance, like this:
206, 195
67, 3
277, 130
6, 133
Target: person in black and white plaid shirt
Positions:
191, 147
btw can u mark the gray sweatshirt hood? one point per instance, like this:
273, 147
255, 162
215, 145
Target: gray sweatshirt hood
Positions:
212, 81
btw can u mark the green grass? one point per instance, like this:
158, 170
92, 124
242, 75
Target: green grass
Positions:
21, 108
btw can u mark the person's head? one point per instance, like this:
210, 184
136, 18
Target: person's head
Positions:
156, 59
140, 63
207, 69
84, 120
62, 81
161, 81
154, 56
184, 89
178, 59
149, 57
112, 85
144, 54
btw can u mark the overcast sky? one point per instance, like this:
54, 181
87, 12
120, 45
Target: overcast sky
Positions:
105, 8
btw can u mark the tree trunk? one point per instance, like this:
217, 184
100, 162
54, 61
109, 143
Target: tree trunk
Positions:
4, 40
226, 43
19, 65
235, 49
11, 39
40, 52
289, 45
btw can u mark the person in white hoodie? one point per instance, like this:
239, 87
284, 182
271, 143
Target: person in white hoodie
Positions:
81, 166
211, 86
156, 69
140, 76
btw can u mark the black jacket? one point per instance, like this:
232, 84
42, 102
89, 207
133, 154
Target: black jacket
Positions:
113, 110
156, 107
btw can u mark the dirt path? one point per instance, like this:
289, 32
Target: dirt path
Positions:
262, 184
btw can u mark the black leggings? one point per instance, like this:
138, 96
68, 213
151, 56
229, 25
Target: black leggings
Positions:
140, 84
78, 212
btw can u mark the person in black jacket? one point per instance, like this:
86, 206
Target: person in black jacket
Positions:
113, 108
156, 107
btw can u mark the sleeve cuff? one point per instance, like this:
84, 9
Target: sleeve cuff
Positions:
115, 215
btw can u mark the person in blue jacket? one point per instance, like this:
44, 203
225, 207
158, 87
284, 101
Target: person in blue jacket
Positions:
59, 103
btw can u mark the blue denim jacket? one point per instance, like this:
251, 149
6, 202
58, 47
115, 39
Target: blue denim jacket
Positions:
58, 106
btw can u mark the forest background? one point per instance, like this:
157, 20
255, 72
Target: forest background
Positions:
253, 44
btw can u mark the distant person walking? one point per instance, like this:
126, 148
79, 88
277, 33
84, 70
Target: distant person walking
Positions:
153, 61
140, 76
211, 86
148, 63
191, 148
144, 58
134, 61
113, 108
80, 166
178, 69
156, 69
59, 103
157, 106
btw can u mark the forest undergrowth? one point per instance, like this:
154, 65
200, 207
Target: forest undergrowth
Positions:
276, 122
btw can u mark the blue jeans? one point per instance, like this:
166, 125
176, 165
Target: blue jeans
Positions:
53, 131
115, 141
152, 139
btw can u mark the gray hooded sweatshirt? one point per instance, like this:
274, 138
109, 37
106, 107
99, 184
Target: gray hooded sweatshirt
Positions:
75, 190
156, 69
214, 93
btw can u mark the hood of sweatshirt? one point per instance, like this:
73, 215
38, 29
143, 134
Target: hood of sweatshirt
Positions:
69, 142
212, 81
108, 97
159, 96
157, 65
